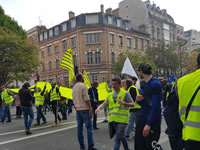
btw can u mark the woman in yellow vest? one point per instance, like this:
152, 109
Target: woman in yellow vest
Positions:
189, 107
118, 102
39, 102
7, 99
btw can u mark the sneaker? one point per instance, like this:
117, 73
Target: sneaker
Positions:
105, 121
96, 128
28, 132
8, 121
44, 122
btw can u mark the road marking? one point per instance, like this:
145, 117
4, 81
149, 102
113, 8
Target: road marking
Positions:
41, 134
13, 132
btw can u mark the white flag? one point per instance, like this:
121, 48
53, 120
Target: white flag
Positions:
128, 69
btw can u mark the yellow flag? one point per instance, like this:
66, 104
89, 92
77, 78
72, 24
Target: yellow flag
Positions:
65, 92
102, 91
86, 79
67, 63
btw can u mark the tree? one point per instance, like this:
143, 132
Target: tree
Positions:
192, 62
10, 25
17, 58
136, 59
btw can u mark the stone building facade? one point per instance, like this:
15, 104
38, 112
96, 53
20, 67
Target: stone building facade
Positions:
96, 39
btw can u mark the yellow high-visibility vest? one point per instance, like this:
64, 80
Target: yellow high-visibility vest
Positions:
118, 113
54, 96
6, 97
39, 99
137, 106
187, 86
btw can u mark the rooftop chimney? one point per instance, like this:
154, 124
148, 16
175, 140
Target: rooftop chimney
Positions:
109, 11
71, 14
102, 8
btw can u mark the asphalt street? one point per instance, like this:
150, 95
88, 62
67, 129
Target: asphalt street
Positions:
63, 137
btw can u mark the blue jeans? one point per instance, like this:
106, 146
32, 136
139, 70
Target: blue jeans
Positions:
132, 122
83, 117
40, 114
120, 136
1, 112
6, 113
27, 111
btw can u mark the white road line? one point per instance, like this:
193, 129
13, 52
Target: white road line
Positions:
41, 134
34, 128
13, 132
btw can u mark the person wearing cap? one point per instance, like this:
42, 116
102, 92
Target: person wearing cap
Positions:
26, 99
148, 126
54, 95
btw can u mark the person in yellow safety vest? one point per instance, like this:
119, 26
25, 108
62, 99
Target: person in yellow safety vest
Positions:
63, 107
39, 102
130, 86
188, 88
118, 102
7, 99
54, 95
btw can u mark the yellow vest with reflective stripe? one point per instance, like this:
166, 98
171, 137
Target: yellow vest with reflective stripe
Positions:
187, 86
118, 113
54, 96
6, 97
137, 92
39, 99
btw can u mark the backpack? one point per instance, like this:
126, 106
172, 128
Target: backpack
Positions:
171, 114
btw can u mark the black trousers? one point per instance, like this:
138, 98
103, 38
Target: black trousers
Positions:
18, 111
94, 117
55, 108
192, 145
145, 143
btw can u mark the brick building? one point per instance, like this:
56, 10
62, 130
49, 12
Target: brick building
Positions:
96, 40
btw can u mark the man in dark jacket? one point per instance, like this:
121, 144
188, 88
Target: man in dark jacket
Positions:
26, 106
93, 94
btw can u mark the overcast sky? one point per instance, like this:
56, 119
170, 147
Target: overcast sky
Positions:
52, 12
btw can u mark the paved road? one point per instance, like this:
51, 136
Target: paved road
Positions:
63, 137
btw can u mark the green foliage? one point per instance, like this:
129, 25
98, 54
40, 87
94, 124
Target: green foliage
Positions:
18, 58
10, 25
197, 50
136, 59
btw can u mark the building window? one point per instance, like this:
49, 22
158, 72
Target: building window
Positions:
56, 49
33, 37
64, 27
118, 23
49, 50
45, 35
158, 34
57, 64
120, 41
73, 23
97, 38
74, 60
41, 37
50, 66
94, 77
112, 38
90, 57
109, 20
128, 42
97, 57
64, 45
56, 31
135, 43
50, 33
89, 38
113, 58
141, 44
43, 67
73, 42
42, 52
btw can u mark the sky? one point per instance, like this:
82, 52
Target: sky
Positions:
29, 13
